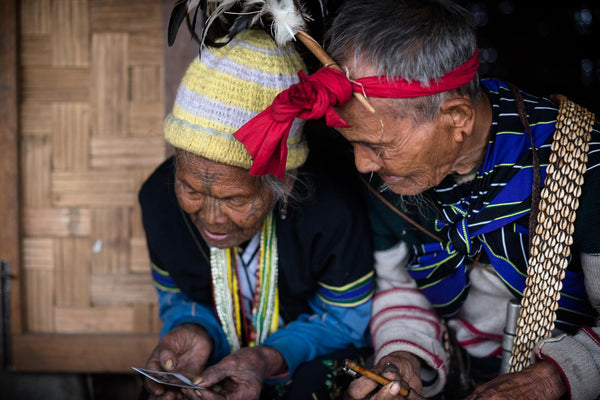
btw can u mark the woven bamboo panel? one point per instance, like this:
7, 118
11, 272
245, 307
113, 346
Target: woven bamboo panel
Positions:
71, 123
91, 114
57, 222
110, 235
39, 266
36, 169
94, 320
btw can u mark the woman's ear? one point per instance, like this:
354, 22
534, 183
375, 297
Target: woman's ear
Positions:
460, 114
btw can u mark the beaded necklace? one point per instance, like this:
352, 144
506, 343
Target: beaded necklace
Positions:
227, 294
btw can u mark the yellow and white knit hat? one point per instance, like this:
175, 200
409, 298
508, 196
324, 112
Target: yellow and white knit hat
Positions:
226, 87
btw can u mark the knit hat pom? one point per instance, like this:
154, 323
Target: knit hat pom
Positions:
225, 88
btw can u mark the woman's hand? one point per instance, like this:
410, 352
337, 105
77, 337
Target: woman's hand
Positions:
185, 350
239, 376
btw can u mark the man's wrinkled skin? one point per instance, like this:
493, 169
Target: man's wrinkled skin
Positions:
407, 367
541, 381
412, 158
239, 376
185, 350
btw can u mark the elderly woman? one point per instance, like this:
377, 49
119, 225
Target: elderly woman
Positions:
256, 276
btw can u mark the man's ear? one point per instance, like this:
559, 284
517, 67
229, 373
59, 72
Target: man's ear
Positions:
459, 112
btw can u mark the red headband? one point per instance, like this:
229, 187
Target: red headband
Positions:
400, 88
265, 136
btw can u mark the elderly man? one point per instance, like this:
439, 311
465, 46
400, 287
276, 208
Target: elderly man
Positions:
454, 156
458, 210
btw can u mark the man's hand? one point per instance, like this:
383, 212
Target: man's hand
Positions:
185, 350
539, 381
239, 376
394, 366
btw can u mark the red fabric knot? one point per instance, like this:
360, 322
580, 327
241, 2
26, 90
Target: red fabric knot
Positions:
265, 136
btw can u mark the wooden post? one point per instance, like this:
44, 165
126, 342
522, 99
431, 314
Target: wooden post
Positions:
9, 161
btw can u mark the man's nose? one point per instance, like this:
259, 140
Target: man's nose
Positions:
366, 159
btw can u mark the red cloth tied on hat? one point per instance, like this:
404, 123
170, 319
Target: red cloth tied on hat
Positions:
265, 136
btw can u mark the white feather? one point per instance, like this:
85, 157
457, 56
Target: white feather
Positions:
222, 7
287, 20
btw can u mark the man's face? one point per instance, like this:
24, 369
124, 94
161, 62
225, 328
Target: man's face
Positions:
410, 158
227, 204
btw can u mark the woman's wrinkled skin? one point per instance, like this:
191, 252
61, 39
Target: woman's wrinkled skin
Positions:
226, 203
228, 206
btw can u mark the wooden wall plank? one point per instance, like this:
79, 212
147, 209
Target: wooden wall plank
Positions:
38, 17
93, 188
129, 16
146, 84
70, 136
146, 119
56, 222
142, 318
39, 296
38, 254
122, 289
38, 265
146, 48
87, 353
72, 272
156, 322
35, 50
110, 235
94, 319
55, 84
140, 259
35, 170
35, 118
110, 83
71, 33
126, 152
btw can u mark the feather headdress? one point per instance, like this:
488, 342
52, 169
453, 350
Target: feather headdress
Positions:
283, 19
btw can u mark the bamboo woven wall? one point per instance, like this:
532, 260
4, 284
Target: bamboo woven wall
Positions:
91, 110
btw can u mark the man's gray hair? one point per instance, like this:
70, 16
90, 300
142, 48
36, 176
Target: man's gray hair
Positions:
418, 40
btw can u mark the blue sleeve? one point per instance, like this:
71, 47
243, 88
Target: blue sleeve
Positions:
175, 309
330, 328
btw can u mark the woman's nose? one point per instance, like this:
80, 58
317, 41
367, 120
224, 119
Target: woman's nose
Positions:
212, 212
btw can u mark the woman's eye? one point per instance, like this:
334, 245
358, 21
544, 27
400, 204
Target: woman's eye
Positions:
236, 201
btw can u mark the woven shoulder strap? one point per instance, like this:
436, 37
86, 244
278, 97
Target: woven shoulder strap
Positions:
551, 242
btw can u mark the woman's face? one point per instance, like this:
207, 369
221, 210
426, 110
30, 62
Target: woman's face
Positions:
226, 203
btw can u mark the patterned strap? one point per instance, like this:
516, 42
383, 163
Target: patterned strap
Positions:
550, 246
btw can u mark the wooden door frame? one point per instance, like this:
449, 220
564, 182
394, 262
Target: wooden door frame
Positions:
9, 162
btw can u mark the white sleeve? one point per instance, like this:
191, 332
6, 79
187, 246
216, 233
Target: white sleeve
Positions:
403, 319
578, 357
